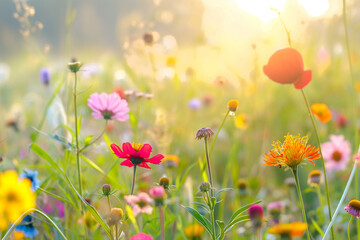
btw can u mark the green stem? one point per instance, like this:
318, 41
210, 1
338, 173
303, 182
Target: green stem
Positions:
208, 165
218, 131
354, 103
213, 223
133, 181
301, 200
322, 158
96, 139
109, 204
77, 137
342, 198
11, 229
162, 223
348, 231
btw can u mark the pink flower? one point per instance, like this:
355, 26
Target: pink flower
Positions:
108, 106
141, 236
157, 192
136, 154
336, 153
140, 203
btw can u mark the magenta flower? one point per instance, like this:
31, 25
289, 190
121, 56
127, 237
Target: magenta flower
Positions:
108, 106
141, 236
140, 203
136, 154
336, 153
353, 208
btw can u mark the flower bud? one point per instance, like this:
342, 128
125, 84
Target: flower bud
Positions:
115, 216
232, 105
74, 65
256, 214
148, 38
204, 133
164, 181
45, 76
242, 185
274, 209
106, 189
205, 187
315, 178
158, 194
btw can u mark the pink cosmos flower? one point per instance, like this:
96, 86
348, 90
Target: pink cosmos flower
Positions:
141, 236
108, 106
140, 203
336, 153
136, 154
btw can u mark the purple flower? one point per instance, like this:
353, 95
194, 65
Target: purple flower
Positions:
336, 153
353, 208
45, 76
195, 104
108, 106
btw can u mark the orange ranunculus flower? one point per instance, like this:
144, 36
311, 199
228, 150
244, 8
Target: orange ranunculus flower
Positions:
286, 66
291, 153
321, 111
295, 229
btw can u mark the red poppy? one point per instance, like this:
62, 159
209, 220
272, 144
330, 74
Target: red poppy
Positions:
136, 154
286, 66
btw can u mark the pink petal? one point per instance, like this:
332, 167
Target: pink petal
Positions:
127, 163
103, 100
144, 197
120, 118
97, 115
145, 151
131, 199
128, 149
155, 159
117, 150
144, 165
136, 210
147, 209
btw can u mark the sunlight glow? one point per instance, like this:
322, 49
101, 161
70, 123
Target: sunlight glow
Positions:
262, 8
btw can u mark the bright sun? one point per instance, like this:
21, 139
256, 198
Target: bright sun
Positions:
262, 8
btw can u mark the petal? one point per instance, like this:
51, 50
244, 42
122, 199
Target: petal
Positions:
136, 210
127, 163
144, 165
303, 80
97, 115
145, 151
155, 159
103, 100
284, 66
117, 150
147, 209
131, 199
128, 149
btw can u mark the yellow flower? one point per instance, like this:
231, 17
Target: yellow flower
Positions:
194, 230
19, 235
233, 105
171, 161
241, 121
16, 197
291, 153
290, 229
315, 178
321, 111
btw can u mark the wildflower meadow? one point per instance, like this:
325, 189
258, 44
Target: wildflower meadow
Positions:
175, 120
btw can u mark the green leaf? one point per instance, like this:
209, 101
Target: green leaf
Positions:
92, 164
222, 190
241, 210
222, 232
236, 221
201, 219
201, 205
88, 139
317, 227
55, 196
56, 138
91, 209
41, 153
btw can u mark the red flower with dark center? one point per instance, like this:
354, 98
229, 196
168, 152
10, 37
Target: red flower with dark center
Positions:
286, 66
136, 154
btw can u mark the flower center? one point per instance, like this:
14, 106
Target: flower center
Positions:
136, 160
141, 204
136, 146
355, 204
107, 115
336, 156
11, 197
